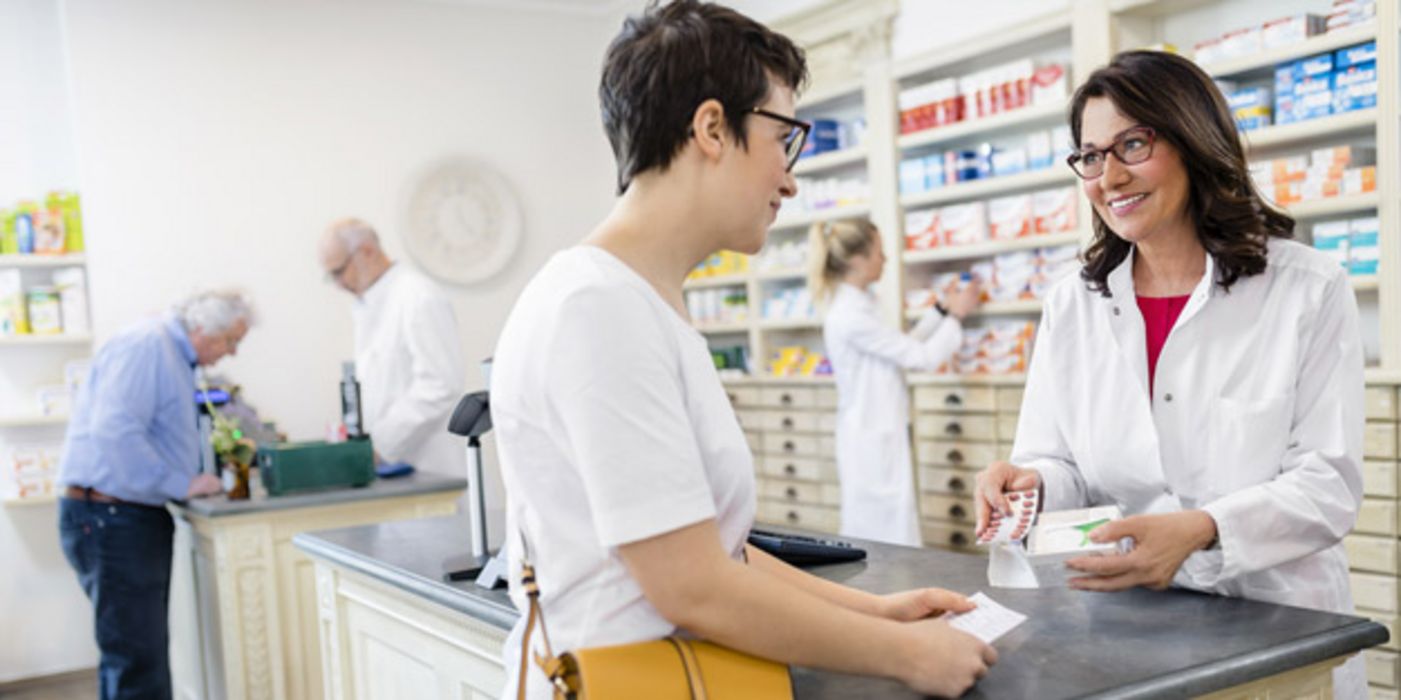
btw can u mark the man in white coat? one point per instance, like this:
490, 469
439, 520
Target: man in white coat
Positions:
408, 356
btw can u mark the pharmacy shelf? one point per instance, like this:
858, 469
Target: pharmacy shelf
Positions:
789, 324
830, 160
40, 340
990, 248
1334, 206
1026, 116
1346, 36
950, 378
829, 93
1005, 39
1364, 283
43, 260
34, 421
722, 328
736, 280
979, 189
1322, 127
33, 501
1020, 307
807, 218
786, 274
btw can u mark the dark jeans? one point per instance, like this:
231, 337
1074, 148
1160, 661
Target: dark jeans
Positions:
122, 556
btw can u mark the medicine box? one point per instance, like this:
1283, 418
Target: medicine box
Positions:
1333, 238
1352, 55
1060, 536
1355, 87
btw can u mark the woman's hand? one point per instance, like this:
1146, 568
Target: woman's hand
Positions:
1161, 543
995, 481
965, 300
917, 604
943, 661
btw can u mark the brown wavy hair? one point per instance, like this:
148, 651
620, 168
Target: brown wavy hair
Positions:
1184, 107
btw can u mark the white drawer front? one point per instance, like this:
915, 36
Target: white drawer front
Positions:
811, 517
955, 398
1381, 667
805, 468
1379, 478
1377, 517
1380, 440
790, 421
750, 419
782, 444
946, 535
827, 423
788, 397
1007, 426
957, 509
1375, 693
1009, 399
1374, 591
756, 443
790, 491
954, 482
743, 396
1381, 402
952, 426
1370, 553
826, 397
965, 455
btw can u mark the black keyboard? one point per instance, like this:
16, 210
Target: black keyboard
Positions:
800, 550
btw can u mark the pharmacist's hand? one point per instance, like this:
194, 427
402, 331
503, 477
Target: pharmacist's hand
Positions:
965, 300
908, 606
204, 485
993, 485
1161, 543
944, 661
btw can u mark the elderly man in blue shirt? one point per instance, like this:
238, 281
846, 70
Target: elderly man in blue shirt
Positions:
132, 445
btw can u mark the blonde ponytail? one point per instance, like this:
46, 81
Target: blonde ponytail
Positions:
831, 245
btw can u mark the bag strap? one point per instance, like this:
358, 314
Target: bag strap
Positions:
552, 665
691, 665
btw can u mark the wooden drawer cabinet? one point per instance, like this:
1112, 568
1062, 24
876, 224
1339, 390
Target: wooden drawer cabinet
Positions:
982, 428
1374, 591
789, 421
805, 468
788, 397
743, 396
946, 535
1381, 667
957, 509
1381, 403
1371, 553
955, 398
812, 517
784, 445
1379, 441
954, 482
1377, 516
1009, 398
1379, 478
966, 455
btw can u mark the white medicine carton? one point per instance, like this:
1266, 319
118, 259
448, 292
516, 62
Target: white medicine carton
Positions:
1063, 535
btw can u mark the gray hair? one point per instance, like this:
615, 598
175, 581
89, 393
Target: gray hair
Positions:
214, 311
353, 233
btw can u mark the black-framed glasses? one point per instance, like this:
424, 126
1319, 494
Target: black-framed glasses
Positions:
796, 138
1131, 147
334, 274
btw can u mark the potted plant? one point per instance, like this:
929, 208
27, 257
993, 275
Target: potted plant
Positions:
231, 448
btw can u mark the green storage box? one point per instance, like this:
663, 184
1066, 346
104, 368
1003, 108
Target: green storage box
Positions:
290, 467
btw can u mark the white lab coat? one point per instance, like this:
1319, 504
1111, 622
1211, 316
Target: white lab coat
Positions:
873, 445
1256, 417
409, 360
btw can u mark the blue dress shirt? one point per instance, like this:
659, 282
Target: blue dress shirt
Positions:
133, 434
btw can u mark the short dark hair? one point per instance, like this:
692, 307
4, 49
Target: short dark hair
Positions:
1184, 107
666, 62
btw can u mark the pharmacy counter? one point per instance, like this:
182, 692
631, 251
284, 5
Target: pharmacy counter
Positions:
388, 620
243, 599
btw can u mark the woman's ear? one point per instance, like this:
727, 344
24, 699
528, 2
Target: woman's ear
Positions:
708, 129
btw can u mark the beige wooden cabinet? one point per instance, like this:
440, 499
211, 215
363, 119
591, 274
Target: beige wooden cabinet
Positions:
243, 614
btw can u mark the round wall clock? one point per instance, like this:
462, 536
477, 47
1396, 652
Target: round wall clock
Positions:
462, 222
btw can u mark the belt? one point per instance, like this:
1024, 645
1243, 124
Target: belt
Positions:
90, 494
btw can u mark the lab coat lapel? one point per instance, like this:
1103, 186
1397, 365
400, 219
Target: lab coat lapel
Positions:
1200, 294
1126, 324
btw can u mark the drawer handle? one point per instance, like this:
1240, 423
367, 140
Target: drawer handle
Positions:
733, 398
790, 469
953, 400
788, 446
787, 423
956, 484
790, 492
955, 456
786, 399
792, 516
953, 429
957, 511
958, 539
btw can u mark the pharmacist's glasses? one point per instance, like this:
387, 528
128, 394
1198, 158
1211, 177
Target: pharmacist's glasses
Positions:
1131, 147
796, 138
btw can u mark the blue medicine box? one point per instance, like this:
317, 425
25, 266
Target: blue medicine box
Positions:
825, 136
1353, 55
1355, 87
911, 176
1245, 98
934, 171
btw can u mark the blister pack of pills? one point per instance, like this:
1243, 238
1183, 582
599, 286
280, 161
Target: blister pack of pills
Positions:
1013, 527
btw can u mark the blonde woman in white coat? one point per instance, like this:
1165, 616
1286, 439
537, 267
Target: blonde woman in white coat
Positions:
868, 360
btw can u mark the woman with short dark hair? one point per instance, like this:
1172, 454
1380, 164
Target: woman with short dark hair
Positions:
1204, 374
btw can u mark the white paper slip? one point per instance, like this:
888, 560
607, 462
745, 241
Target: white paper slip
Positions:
988, 621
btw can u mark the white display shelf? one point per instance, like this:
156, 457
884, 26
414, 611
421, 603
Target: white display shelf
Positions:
40, 340
990, 248
722, 328
830, 160
786, 274
1026, 116
805, 218
993, 308
1364, 283
1322, 127
37, 261
736, 280
950, 378
32, 501
33, 421
766, 378
1334, 206
1003, 40
829, 93
789, 324
989, 187
1322, 43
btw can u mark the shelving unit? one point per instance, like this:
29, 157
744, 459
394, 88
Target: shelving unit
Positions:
991, 187
32, 421
40, 340
990, 248
38, 261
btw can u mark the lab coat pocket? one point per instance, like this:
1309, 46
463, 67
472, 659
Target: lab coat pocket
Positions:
1248, 441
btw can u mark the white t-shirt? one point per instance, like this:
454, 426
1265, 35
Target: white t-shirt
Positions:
612, 427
